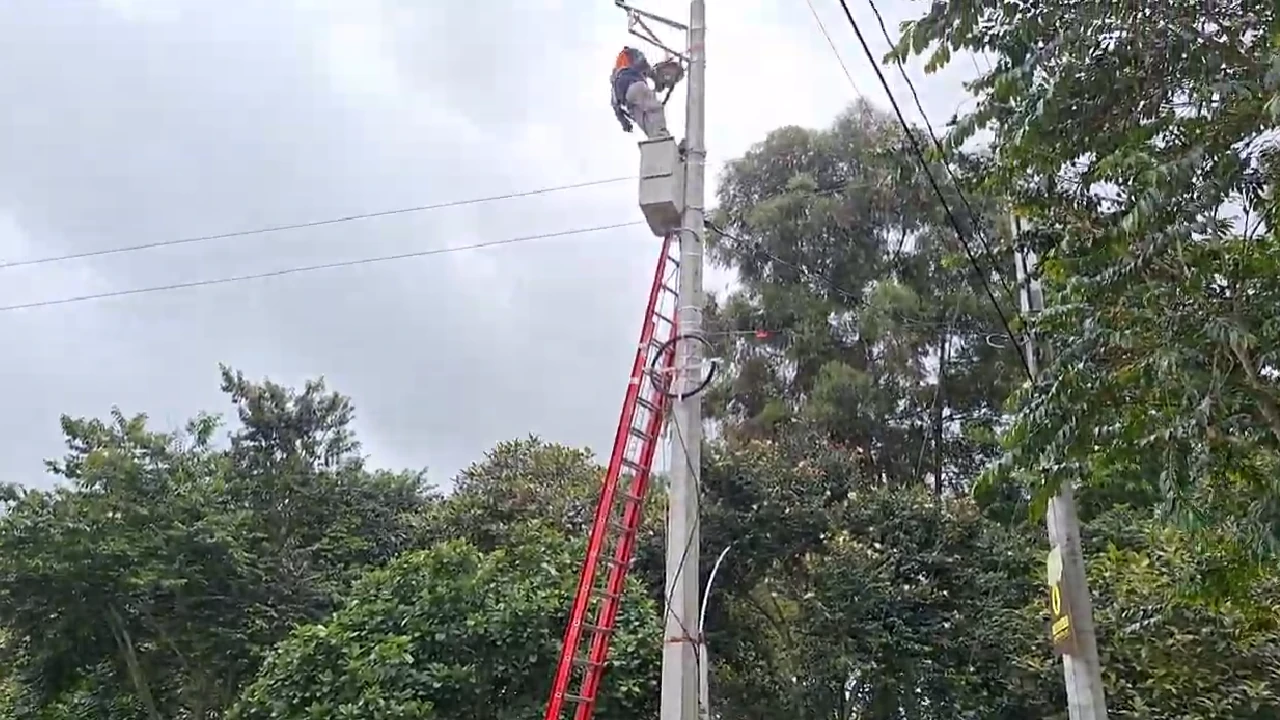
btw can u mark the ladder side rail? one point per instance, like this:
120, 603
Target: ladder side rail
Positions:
627, 542
604, 508
581, 601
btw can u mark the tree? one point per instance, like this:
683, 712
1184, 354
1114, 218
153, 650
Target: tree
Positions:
1139, 140
532, 483
846, 594
319, 516
1183, 634
841, 600
846, 600
871, 332
127, 572
454, 632
153, 581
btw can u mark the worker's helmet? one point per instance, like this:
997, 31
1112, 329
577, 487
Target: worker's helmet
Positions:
630, 58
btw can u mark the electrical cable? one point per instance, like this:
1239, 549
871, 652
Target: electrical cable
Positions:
315, 223
918, 151
847, 295
857, 91
312, 268
991, 339
658, 357
975, 221
696, 475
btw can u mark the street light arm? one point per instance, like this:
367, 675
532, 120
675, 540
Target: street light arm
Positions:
706, 592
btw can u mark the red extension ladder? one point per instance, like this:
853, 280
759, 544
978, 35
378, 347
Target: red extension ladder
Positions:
613, 534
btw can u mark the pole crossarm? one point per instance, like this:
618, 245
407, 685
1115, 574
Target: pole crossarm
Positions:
656, 18
637, 26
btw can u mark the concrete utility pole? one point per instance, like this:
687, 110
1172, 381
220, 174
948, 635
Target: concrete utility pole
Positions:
1072, 610
672, 189
682, 650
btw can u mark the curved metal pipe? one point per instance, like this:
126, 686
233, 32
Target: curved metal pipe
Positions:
704, 664
706, 592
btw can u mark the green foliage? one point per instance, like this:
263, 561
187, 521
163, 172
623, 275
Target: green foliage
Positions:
1183, 633
1140, 140
453, 632
518, 482
529, 485
158, 575
156, 585
845, 601
927, 607
130, 568
845, 260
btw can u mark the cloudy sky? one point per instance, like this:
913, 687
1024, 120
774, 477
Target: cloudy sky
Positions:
136, 121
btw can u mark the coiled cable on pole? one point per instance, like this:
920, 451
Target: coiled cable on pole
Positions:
669, 346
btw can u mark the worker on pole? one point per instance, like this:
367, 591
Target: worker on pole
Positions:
633, 99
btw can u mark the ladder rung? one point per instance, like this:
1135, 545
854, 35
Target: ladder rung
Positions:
605, 594
611, 560
617, 527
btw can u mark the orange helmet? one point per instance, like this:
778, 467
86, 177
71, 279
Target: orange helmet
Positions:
629, 57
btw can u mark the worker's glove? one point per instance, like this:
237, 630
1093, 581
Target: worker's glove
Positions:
626, 125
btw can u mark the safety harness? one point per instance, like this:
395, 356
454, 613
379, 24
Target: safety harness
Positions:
632, 67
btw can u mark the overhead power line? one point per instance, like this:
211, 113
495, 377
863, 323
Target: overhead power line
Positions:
975, 220
918, 151
316, 223
837, 289
312, 268
834, 50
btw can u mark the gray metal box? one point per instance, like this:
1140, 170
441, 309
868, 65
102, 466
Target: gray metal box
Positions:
661, 185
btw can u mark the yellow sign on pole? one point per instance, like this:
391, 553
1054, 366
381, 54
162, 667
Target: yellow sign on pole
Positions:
1061, 629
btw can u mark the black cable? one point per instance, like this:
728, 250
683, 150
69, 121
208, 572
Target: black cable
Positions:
658, 357
847, 295
315, 223
918, 151
313, 268
989, 338
975, 221
696, 475
822, 28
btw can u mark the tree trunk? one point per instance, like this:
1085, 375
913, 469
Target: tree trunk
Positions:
939, 402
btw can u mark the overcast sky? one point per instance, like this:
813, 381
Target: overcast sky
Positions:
134, 121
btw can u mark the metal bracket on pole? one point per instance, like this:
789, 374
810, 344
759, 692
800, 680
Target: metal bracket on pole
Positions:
637, 26
656, 18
